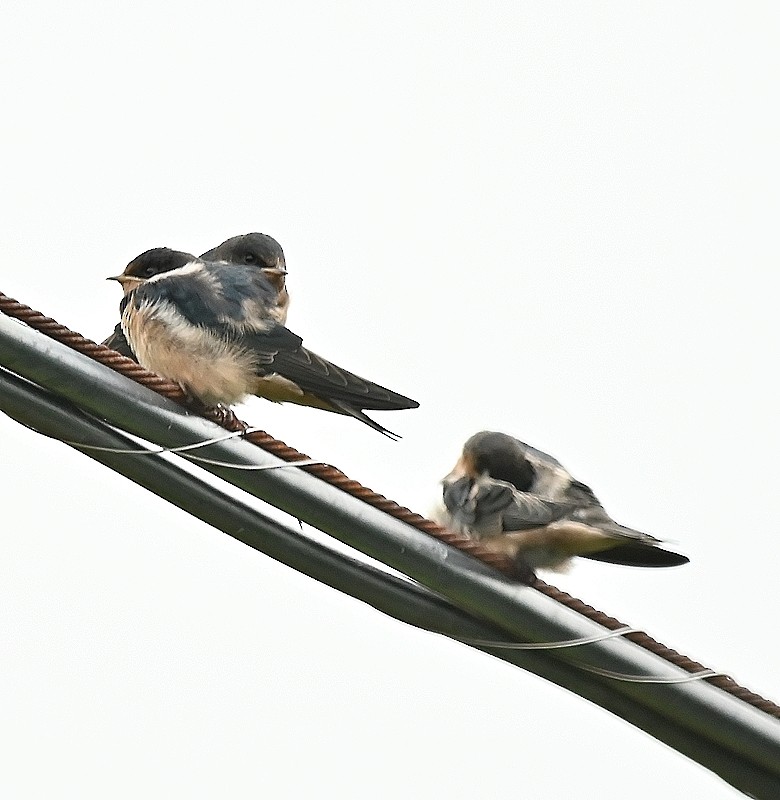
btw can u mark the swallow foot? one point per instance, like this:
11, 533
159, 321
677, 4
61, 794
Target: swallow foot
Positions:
221, 414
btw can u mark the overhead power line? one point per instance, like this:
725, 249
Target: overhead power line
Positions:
738, 739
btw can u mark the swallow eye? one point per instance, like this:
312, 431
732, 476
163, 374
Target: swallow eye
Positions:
148, 272
249, 258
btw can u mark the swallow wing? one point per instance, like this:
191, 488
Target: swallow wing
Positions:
118, 341
472, 502
553, 480
327, 380
476, 502
531, 511
240, 309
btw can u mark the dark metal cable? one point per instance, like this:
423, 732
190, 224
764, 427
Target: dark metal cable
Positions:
399, 598
333, 476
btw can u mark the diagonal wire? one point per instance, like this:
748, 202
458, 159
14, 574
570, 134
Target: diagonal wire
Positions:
399, 598
335, 477
740, 730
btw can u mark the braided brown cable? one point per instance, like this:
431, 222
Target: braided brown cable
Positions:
335, 477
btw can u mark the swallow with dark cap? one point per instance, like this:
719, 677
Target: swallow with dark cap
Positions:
254, 249
211, 327
523, 503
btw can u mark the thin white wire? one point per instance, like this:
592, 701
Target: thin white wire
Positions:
620, 676
184, 450
606, 673
157, 450
599, 637
306, 462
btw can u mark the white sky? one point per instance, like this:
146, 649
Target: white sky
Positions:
555, 220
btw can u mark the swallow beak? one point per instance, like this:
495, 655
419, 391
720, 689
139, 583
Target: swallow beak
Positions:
129, 282
275, 276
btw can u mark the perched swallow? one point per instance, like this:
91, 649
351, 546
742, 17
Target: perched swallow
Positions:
523, 503
211, 327
254, 249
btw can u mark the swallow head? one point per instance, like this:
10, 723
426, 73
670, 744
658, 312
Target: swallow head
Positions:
255, 249
150, 263
498, 456
251, 248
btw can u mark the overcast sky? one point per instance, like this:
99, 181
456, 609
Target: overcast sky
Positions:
554, 220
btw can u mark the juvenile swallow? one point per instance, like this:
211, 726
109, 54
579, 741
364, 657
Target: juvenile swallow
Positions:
523, 503
211, 327
255, 249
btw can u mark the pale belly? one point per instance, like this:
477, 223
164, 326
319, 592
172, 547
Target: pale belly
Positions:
204, 366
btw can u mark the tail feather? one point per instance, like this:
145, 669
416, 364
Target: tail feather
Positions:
345, 408
638, 554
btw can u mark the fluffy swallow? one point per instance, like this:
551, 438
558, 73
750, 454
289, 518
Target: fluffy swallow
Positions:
255, 249
210, 327
522, 502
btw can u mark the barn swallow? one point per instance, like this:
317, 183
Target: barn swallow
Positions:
523, 503
210, 327
256, 249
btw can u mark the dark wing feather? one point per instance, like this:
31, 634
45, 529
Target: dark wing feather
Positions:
468, 507
455, 494
117, 341
582, 494
492, 498
518, 510
279, 351
319, 376
530, 511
